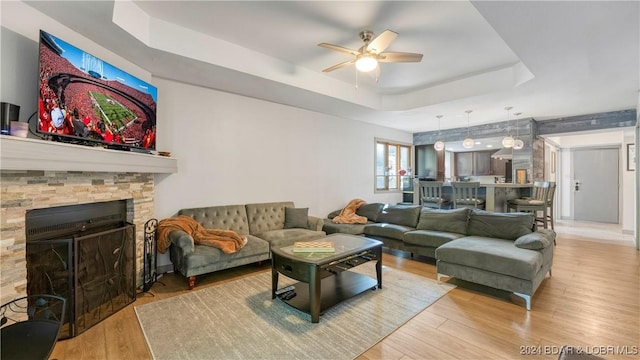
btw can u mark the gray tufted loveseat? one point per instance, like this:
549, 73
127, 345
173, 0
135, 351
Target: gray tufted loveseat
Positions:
264, 225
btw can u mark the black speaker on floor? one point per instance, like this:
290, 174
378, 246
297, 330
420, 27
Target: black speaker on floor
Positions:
8, 113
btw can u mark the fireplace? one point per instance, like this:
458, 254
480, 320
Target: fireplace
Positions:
85, 253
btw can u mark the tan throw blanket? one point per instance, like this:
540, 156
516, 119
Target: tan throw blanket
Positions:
228, 241
348, 214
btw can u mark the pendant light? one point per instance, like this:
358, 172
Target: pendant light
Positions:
518, 144
468, 142
507, 141
439, 145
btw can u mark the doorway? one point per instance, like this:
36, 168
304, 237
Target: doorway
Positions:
595, 184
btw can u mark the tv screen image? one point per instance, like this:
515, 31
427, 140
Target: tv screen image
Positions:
85, 99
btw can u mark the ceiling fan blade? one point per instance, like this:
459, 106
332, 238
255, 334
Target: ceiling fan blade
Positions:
388, 57
341, 49
382, 41
338, 66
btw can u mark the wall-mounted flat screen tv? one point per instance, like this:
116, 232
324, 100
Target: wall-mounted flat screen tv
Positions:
83, 99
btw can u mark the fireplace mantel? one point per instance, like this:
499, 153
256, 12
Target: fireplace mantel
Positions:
18, 153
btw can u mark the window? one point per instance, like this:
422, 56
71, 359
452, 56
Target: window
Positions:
391, 158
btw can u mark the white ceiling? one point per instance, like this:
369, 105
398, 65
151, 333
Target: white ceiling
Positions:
547, 59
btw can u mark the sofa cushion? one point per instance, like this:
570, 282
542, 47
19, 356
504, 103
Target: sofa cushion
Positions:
453, 221
286, 237
536, 240
266, 216
334, 214
296, 217
370, 211
429, 238
354, 229
508, 226
391, 231
227, 217
400, 215
491, 254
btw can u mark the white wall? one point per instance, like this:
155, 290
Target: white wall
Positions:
233, 150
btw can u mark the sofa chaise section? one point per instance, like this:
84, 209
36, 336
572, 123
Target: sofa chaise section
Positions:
500, 251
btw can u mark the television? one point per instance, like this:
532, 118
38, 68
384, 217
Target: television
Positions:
85, 100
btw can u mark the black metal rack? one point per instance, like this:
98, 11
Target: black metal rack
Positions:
150, 266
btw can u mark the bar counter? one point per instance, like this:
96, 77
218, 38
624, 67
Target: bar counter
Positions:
494, 194
498, 194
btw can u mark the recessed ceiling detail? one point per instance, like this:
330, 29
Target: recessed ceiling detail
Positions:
542, 57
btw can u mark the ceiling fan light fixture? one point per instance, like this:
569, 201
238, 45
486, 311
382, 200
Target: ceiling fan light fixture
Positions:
366, 62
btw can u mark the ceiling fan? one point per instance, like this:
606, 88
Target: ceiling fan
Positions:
371, 53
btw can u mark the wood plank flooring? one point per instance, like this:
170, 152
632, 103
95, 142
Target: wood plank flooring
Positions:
592, 300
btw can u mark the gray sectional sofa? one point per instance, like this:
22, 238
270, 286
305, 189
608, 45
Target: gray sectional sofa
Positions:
265, 225
500, 250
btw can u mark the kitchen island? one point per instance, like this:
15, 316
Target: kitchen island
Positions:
498, 194
494, 194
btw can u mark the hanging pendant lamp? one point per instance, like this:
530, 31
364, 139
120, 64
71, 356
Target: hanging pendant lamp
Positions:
468, 142
518, 144
439, 144
507, 141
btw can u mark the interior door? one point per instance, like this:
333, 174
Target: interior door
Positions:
595, 184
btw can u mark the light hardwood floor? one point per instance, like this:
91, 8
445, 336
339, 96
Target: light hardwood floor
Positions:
592, 300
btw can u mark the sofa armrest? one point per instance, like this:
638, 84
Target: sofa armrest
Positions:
536, 240
315, 223
182, 240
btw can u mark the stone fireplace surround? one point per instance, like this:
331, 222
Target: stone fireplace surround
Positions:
39, 174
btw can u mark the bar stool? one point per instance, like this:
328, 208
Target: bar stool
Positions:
550, 196
537, 202
431, 195
465, 195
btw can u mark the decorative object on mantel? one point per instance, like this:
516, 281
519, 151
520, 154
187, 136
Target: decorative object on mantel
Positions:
19, 129
468, 143
518, 144
164, 153
631, 157
507, 141
439, 144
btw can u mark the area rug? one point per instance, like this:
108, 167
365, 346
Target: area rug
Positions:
239, 320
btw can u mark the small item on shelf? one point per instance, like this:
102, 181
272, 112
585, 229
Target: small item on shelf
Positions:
164, 153
313, 247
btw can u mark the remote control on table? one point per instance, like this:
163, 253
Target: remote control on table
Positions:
285, 289
288, 296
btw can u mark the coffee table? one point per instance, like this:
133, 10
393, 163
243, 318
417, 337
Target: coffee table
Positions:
323, 277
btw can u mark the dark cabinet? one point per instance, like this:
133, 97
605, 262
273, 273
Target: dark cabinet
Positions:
499, 167
464, 163
482, 163
478, 163
429, 162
